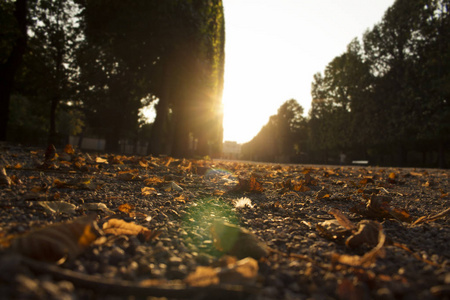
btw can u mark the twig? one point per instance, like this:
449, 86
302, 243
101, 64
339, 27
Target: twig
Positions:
123, 287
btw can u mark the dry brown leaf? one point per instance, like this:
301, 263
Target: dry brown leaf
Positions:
244, 271
119, 227
203, 276
342, 219
69, 149
57, 242
154, 180
147, 191
236, 241
126, 207
432, 218
380, 207
143, 163
367, 233
367, 259
248, 185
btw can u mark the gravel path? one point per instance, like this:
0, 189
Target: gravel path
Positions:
218, 229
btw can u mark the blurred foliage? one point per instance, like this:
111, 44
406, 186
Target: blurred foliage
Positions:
92, 65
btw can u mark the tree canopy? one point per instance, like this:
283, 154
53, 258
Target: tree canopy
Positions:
385, 99
100, 62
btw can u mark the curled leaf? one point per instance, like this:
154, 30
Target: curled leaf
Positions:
4, 179
367, 233
367, 259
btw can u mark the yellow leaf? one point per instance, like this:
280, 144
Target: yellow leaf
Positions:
147, 191
119, 227
69, 149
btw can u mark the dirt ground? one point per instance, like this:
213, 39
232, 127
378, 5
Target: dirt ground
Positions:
96, 226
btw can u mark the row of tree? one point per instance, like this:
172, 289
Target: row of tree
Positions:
89, 67
386, 99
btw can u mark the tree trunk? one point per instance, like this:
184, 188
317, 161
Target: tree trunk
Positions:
441, 155
10, 67
181, 136
52, 135
160, 136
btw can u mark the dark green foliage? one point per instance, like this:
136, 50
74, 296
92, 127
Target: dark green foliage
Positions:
282, 139
386, 100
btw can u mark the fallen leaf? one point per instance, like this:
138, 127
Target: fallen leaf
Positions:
322, 194
380, 207
119, 227
154, 180
236, 241
342, 219
147, 191
203, 276
4, 179
367, 259
248, 185
367, 233
57, 242
69, 149
244, 271
101, 160
126, 208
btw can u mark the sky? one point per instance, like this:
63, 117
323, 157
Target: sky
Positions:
273, 48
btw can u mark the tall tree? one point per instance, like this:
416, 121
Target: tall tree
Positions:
391, 48
172, 51
279, 140
13, 45
50, 69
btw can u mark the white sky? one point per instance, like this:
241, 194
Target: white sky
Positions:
274, 47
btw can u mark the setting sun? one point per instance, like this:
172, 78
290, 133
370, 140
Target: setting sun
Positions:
273, 49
